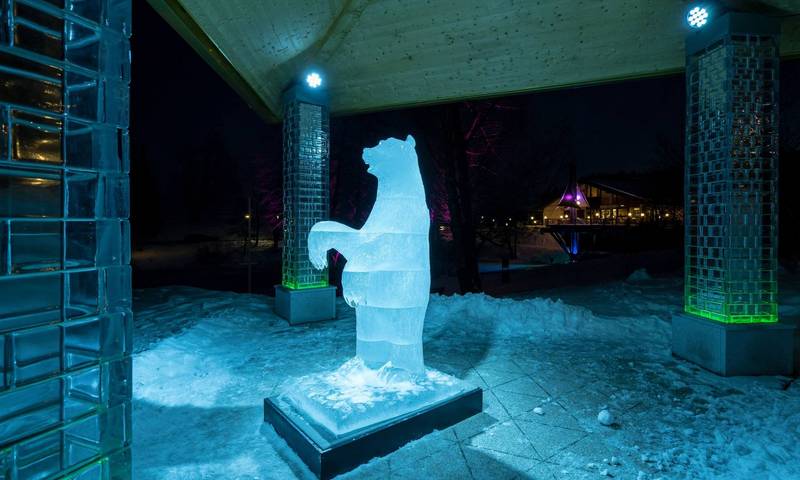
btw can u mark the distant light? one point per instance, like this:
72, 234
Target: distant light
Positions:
313, 80
641, 214
697, 17
247, 216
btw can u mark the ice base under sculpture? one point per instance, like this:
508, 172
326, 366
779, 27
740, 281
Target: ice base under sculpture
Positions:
355, 396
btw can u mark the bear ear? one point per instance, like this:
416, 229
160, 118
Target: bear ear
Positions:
410, 141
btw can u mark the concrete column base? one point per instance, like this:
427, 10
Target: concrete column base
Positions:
733, 349
305, 305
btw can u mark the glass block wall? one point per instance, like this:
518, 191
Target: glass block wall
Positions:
65, 292
731, 179
306, 190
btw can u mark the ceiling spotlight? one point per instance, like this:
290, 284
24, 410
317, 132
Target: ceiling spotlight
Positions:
313, 80
697, 17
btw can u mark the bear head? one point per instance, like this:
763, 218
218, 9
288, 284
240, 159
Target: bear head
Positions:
391, 158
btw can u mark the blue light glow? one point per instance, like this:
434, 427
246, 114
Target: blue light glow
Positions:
697, 17
313, 80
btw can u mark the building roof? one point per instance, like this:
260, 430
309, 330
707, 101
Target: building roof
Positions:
624, 190
391, 53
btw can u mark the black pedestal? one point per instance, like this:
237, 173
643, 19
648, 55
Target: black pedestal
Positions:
327, 455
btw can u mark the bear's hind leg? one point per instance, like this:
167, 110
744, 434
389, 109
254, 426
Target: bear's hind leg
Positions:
406, 341
371, 335
390, 335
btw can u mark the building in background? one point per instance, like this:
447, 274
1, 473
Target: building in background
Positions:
612, 202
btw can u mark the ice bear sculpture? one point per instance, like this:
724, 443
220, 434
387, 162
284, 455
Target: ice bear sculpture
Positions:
387, 275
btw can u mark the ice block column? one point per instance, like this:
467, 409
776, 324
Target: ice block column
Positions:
304, 294
65, 292
731, 215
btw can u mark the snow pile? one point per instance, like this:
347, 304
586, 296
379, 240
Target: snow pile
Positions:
640, 275
507, 317
532, 318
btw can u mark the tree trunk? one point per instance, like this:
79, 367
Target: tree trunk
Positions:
459, 198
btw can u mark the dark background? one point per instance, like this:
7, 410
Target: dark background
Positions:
199, 154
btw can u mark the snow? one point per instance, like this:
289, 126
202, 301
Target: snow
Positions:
639, 275
205, 361
606, 418
355, 396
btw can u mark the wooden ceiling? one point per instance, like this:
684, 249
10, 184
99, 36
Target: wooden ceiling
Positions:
383, 54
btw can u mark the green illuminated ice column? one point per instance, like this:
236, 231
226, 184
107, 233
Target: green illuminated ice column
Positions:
304, 295
730, 325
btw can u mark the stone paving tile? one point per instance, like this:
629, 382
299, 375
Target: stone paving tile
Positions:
517, 403
552, 414
411, 453
493, 406
377, 469
501, 363
593, 453
505, 437
584, 404
557, 384
493, 377
446, 464
449, 434
548, 471
523, 385
491, 465
472, 377
549, 440
472, 426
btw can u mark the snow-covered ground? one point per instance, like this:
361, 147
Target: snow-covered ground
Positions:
205, 360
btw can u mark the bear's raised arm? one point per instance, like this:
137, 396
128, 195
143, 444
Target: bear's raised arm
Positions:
327, 235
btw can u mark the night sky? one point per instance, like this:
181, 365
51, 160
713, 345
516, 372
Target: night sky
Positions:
182, 108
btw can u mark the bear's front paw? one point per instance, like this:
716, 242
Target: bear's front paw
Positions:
317, 252
353, 299
318, 260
